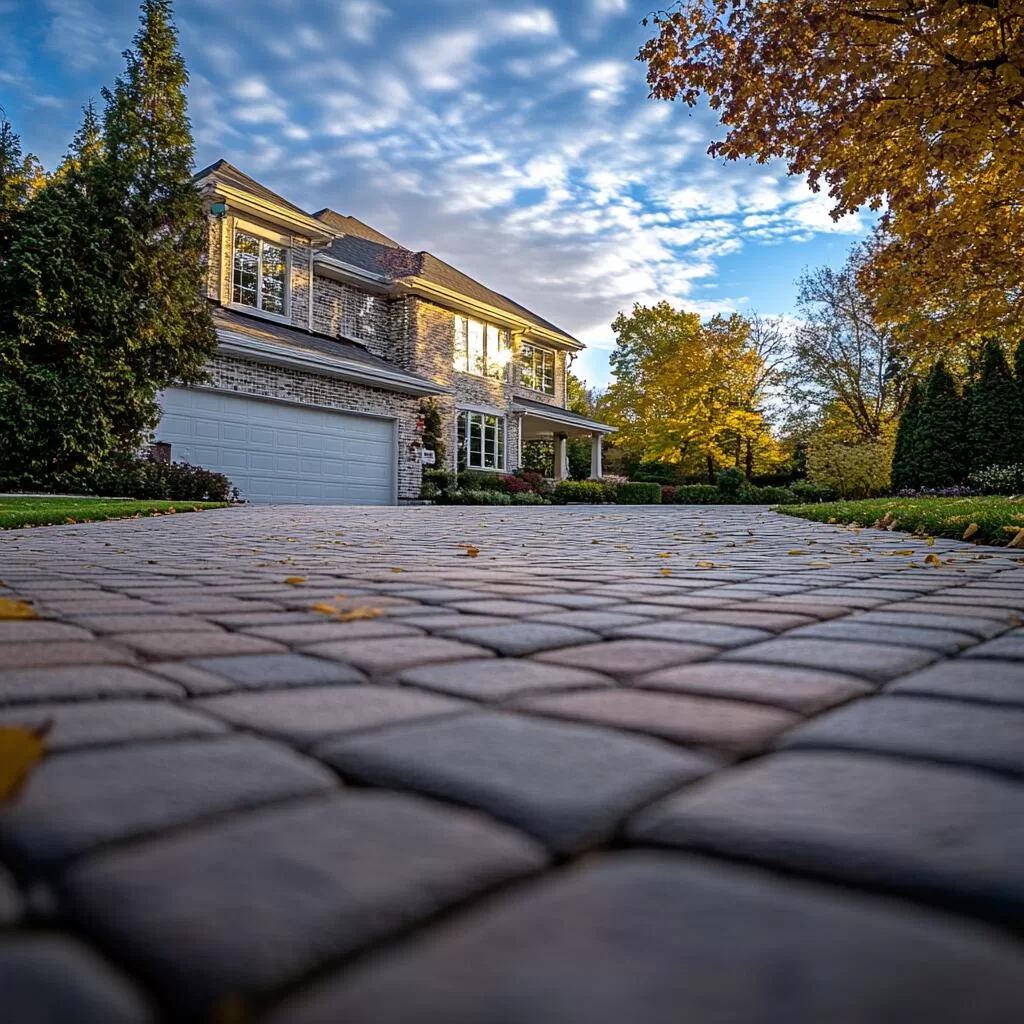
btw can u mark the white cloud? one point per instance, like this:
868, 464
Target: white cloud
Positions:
79, 33
604, 81
359, 19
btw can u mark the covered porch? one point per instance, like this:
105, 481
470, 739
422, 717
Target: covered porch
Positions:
540, 422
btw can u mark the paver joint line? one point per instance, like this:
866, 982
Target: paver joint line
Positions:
416, 796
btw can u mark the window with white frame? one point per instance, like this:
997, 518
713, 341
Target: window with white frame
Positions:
480, 348
259, 275
481, 441
538, 368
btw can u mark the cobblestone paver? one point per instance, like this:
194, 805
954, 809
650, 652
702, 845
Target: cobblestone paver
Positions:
512, 766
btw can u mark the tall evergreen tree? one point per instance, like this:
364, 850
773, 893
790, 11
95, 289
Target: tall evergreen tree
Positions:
995, 427
105, 274
906, 465
940, 431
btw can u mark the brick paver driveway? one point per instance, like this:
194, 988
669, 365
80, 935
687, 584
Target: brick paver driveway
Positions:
696, 765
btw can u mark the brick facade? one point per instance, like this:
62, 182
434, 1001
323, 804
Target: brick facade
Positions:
288, 385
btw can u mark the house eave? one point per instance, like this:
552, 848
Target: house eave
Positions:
450, 297
563, 417
338, 270
240, 346
238, 200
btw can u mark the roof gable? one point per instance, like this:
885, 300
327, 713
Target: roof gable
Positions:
351, 226
228, 174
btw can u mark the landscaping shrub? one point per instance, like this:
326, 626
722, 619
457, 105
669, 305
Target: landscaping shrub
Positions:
529, 498
805, 492
442, 480
476, 497
766, 496
638, 493
999, 479
656, 473
142, 476
693, 494
589, 491
537, 482
730, 482
515, 485
480, 480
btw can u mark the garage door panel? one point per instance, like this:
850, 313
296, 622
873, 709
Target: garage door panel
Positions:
276, 452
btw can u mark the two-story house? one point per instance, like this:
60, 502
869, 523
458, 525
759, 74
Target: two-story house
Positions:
330, 335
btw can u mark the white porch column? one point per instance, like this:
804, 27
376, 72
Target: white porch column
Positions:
561, 460
596, 472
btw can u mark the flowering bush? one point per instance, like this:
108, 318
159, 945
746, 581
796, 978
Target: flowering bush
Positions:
999, 479
515, 485
958, 491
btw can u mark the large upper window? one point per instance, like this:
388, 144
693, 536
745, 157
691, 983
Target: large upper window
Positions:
481, 441
538, 368
259, 274
481, 348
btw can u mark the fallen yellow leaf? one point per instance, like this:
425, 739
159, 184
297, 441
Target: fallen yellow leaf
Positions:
21, 750
904, 551
665, 554
931, 542
705, 565
933, 560
360, 613
666, 572
324, 608
797, 552
398, 570
472, 552
595, 542
1018, 541
295, 580
970, 531
11, 609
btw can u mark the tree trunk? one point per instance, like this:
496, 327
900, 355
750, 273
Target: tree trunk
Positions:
711, 469
750, 459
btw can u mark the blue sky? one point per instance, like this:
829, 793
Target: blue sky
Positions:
513, 139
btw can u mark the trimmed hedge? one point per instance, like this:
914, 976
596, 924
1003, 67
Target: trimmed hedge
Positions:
476, 497
638, 494
691, 494
591, 492
481, 480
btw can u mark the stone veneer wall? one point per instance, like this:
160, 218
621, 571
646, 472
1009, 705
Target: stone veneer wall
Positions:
265, 381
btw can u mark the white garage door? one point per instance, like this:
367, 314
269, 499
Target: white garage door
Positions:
273, 452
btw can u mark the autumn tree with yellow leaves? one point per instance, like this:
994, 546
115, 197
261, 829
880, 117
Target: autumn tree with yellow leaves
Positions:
689, 392
910, 107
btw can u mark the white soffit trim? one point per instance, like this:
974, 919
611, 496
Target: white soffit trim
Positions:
566, 419
232, 344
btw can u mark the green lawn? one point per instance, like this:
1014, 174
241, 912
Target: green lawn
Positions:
997, 518
35, 511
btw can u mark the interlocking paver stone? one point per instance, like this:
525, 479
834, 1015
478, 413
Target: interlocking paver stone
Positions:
570, 785
81, 682
250, 904
144, 623
47, 653
99, 723
628, 657
937, 730
519, 638
384, 656
303, 634
877, 662
654, 940
264, 671
702, 721
711, 633
316, 838
49, 979
314, 713
83, 799
945, 641
798, 689
948, 835
21, 631
496, 679
194, 644
998, 682
1008, 647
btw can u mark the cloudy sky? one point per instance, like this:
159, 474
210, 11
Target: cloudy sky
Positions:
514, 139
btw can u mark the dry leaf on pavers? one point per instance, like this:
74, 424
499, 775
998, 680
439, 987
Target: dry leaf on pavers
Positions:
796, 551
665, 554
472, 552
666, 572
1018, 541
595, 542
11, 609
295, 580
933, 560
355, 614
21, 750
705, 565
930, 542
970, 531
885, 522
